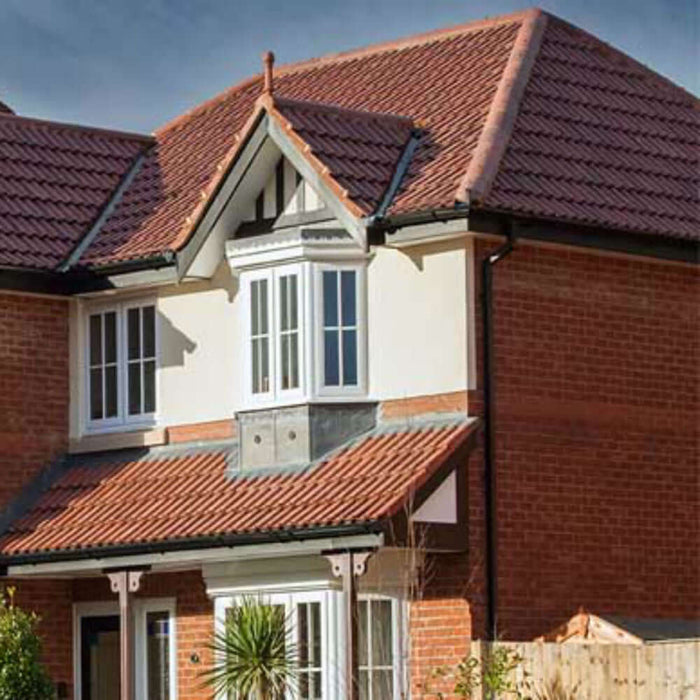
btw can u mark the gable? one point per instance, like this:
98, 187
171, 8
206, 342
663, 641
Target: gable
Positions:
285, 193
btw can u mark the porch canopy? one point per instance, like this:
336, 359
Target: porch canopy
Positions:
179, 498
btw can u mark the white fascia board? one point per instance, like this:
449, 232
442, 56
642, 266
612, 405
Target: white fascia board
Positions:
189, 559
142, 279
355, 226
435, 232
291, 251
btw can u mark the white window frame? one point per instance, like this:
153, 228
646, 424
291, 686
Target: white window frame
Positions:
360, 389
399, 640
332, 630
122, 421
275, 392
289, 600
141, 607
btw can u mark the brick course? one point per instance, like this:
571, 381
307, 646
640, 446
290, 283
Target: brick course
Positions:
34, 393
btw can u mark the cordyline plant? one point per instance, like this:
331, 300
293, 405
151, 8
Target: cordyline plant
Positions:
22, 677
253, 659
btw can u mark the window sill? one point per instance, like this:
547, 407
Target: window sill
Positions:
118, 440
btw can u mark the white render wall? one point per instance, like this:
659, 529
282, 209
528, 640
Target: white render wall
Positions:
417, 311
418, 306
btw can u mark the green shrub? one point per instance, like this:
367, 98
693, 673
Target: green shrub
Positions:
22, 677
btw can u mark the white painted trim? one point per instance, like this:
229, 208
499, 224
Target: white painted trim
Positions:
122, 421
422, 234
355, 226
173, 561
140, 608
360, 389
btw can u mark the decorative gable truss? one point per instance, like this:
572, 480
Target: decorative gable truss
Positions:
297, 158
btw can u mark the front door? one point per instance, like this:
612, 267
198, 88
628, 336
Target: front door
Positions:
97, 672
99, 648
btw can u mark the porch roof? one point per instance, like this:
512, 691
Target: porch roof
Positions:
194, 496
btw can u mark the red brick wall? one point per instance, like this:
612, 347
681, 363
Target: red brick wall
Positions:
33, 387
51, 600
596, 437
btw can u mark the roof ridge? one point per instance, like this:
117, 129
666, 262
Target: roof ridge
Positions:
339, 109
504, 108
440, 34
98, 131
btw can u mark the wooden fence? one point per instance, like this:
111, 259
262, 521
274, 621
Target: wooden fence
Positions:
662, 671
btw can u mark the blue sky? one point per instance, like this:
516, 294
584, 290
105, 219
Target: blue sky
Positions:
134, 64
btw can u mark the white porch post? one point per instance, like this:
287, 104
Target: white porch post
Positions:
349, 565
125, 584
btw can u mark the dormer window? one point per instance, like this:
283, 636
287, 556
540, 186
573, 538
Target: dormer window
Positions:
121, 367
305, 332
274, 333
339, 328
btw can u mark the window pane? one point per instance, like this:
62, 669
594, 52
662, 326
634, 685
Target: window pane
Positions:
348, 297
158, 650
149, 331
110, 391
362, 640
134, 334
285, 361
149, 386
96, 393
315, 627
293, 303
330, 298
256, 365
364, 685
349, 358
284, 303
264, 365
303, 635
382, 685
263, 306
330, 358
294, 360
96, 339
254, 307
134, 388
110, 337
316, 685
382, 637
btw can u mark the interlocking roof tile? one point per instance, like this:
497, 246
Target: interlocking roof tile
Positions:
444, 80
116, 500
602, 140
54, 181
522, 114
359, 151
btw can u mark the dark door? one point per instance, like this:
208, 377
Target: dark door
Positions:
99, 658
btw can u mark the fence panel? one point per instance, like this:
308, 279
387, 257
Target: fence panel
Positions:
663, 671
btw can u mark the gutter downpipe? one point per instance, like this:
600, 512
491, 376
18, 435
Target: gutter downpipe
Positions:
490, 504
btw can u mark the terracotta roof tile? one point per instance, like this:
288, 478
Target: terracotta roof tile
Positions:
547, 120
602, 140
114, 500
54, 181
446, 80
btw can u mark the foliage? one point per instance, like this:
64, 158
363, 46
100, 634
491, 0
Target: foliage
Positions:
252, 656
22, 677
493, 672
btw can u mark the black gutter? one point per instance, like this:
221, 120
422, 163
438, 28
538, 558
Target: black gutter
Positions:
490, 502
191, 544
650, 245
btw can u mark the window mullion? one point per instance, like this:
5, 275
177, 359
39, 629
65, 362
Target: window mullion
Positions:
103, 361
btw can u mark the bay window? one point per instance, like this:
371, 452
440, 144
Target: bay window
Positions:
121, 365
305, 332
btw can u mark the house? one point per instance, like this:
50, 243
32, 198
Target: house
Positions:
404, 340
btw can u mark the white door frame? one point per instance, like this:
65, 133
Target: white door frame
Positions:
141, 607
